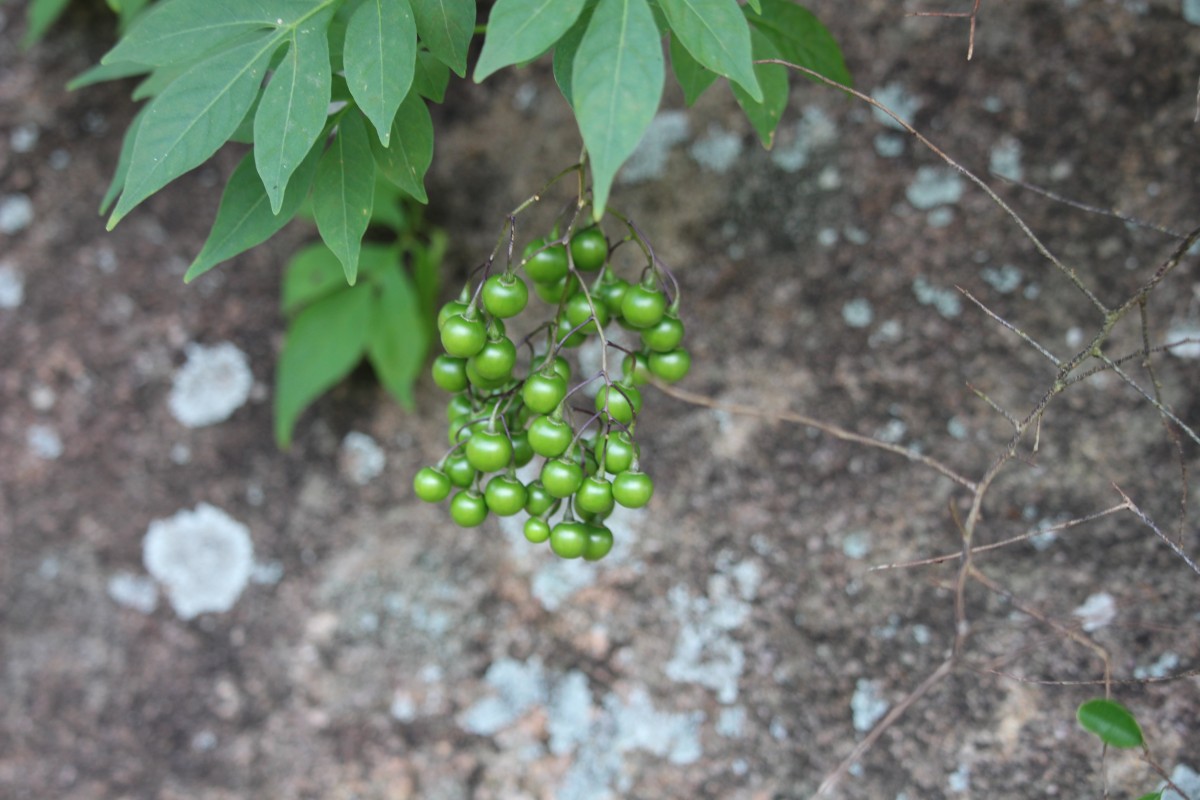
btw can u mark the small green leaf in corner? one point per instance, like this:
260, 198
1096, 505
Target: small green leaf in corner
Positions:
1112, 722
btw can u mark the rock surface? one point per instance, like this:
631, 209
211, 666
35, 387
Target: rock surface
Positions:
736, 644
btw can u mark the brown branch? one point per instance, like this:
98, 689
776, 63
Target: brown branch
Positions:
803, 419
972, 16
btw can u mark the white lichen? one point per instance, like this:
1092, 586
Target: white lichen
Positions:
213, 383
717, 151
867, 705
1097, 611
133, 591
203, 558
16, 213
44, 442
934, 186
360, 458
649, 160
12, 286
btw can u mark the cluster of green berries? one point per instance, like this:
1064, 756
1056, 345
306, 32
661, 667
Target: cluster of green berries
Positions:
502, 417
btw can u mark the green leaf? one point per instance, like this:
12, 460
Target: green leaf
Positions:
386, 208
1152, 796
427, 273
380, 56
398, 339
405, 161
118, 178
344, 192
315, 273
518, 30
245, 217
311, 274
193, 116
180, 30
773, 78
324, 343
292, 111
756, 5
446, 28
154, 83
692, 76
106, 72
801, 39
431, 77
617, 80
1112, 722
40, 15
715, 32
567, 47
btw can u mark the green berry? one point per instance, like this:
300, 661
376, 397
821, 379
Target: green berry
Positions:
664, 336
643, 307
489, 451
620, 402
544, 393
538, 501
468, 508
594, 496
550, 437
505, 296
459, 470
633, 489
569, 539
579, 311
537, 530
450, 373
589, 249
462, 337
496, 360
505, 496
599, 542
671, 366
548, 265
561, 478
431, 485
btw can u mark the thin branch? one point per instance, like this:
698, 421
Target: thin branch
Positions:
1104, 212
834, 778
1024, 336
1005, 543
1148, 522
812, 422
972, 15
1040, 246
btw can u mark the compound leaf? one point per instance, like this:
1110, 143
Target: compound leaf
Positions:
617, 81
324, 343
398, 339
292, 111
180, 30
801, 39
192, 117
1112, 722
380, 57
717, 35
446, 28
245, 217
519, 30
692, 76
406, 159
773, 78
344, 192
